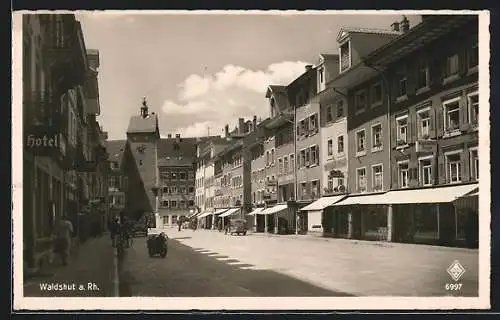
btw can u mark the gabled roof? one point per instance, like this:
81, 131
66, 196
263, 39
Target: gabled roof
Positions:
276, 90
139, 124
115, 149
345, 31
168, 147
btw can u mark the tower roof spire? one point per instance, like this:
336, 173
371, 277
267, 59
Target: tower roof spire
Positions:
144, 108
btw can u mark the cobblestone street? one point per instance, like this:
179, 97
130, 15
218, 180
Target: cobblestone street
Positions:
359, 268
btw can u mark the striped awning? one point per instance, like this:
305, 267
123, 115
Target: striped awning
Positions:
229, 212
256, 211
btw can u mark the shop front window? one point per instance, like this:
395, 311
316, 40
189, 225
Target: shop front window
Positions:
375, 222
426, 222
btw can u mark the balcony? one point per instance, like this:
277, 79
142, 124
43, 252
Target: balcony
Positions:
270, 196
271, 182
41, 109
65, 50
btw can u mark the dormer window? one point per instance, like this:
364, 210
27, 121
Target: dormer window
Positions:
345, 56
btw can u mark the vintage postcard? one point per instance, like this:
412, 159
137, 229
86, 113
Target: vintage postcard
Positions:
251, 160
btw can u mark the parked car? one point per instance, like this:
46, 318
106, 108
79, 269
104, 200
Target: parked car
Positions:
237, 226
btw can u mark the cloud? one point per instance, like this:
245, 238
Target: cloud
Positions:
214, 100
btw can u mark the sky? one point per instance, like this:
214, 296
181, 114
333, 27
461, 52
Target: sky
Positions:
200, 72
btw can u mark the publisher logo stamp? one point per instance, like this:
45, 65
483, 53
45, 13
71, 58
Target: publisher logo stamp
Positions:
456, 270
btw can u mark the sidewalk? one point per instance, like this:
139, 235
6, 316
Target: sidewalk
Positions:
91, 272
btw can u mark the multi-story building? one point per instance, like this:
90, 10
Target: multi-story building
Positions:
309, 171
176, 165
59, 152
117, 180
434, 130
333, 150
411, 110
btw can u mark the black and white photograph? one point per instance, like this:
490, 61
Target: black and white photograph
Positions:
251, 160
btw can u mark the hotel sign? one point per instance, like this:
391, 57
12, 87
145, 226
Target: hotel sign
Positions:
426, 146
44, 143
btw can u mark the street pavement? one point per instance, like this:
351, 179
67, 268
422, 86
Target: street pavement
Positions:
91, 272
187, 272
360, 268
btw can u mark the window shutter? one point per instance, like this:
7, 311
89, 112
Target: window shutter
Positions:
464, 118
412, 128
395, 177
441, 172
392, 127
432, 120
317, 154
465, 174
411, 80
439, 116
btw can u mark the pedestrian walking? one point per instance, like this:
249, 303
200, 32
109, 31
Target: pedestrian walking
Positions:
62, 241
179, 224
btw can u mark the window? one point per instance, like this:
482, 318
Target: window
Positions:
314, 155
451, 115
191, 189
321, 74
473, 53
182, 190
173, 204
402, 86
165, 190
173, 189
377, 137
345, 57
303, 188
451, 66
313, 122
424, 120
140, 162
376, 94
361, 179
315, 186
360, 141
378, 177
272, 156
403, 174
329, 145
307, 156
473, 106
425, 171
329, 113
340, 108
292, 163
174, 219
360, 101
285, 165
402, 127
474, 164
268, 158
182, 204
280, 166
164, 203
174, 175
302, 159
422, 76
340, 144
453, 168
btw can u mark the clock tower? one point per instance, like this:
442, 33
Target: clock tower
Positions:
142, 143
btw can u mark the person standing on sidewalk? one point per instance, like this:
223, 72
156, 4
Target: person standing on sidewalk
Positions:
179, 224
62, 241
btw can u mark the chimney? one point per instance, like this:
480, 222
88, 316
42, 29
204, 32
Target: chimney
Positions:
309, 67
241, 126
405, 24
226, 131
169, 135
177, 137
395, 26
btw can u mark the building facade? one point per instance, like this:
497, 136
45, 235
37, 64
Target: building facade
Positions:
63, 154
117, 180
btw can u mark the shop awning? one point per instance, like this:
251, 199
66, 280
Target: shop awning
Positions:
205, 214
377, 198
219, 211
322, 203
429, 195
229, 212
256, 211
277, 208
